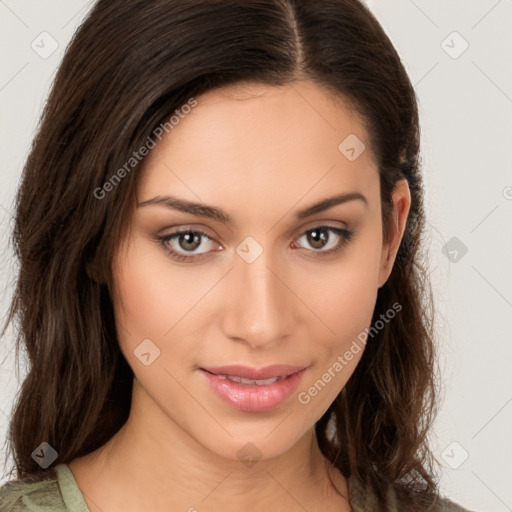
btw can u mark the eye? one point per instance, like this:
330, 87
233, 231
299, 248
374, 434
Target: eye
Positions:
321, 239
186, 240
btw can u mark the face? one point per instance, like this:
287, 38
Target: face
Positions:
238, 316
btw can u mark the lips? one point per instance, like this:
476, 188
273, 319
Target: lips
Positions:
246, 372
254, 389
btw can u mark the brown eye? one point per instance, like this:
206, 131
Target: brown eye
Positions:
182, 244
191, 240
318, 237
321, 239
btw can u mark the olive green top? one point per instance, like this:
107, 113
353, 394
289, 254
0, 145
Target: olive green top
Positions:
57, 491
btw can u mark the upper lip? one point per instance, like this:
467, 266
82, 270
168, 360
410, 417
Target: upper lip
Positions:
248, 372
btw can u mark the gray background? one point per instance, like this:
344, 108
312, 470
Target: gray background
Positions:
466, 114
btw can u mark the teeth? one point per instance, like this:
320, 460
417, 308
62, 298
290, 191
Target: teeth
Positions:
251, 382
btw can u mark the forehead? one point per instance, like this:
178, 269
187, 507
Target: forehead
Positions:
261, 143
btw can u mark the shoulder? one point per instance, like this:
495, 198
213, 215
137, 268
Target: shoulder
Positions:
398, 500
435, 504
445, 505
426, 503
34, 492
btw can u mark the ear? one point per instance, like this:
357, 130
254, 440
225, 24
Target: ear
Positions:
401, 206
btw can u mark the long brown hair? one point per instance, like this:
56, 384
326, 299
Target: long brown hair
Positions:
129, 65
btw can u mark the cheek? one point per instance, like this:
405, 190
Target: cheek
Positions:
349, 303
149, 296
347, 311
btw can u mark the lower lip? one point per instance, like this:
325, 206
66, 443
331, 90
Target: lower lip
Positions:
252, 398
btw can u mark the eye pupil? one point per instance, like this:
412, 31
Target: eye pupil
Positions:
190, 238
319, 237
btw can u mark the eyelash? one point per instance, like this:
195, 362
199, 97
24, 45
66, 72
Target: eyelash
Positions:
345, 234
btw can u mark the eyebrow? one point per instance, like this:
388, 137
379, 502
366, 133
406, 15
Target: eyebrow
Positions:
212, 212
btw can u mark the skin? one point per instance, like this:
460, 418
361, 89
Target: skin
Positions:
259, 153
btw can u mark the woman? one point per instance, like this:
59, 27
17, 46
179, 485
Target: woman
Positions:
220, 286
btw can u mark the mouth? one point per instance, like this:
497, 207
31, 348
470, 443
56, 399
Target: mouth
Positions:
253, 382
254, 389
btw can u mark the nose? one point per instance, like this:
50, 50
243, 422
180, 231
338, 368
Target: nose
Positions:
260, 309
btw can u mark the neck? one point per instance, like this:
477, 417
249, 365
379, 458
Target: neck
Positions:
160, 467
